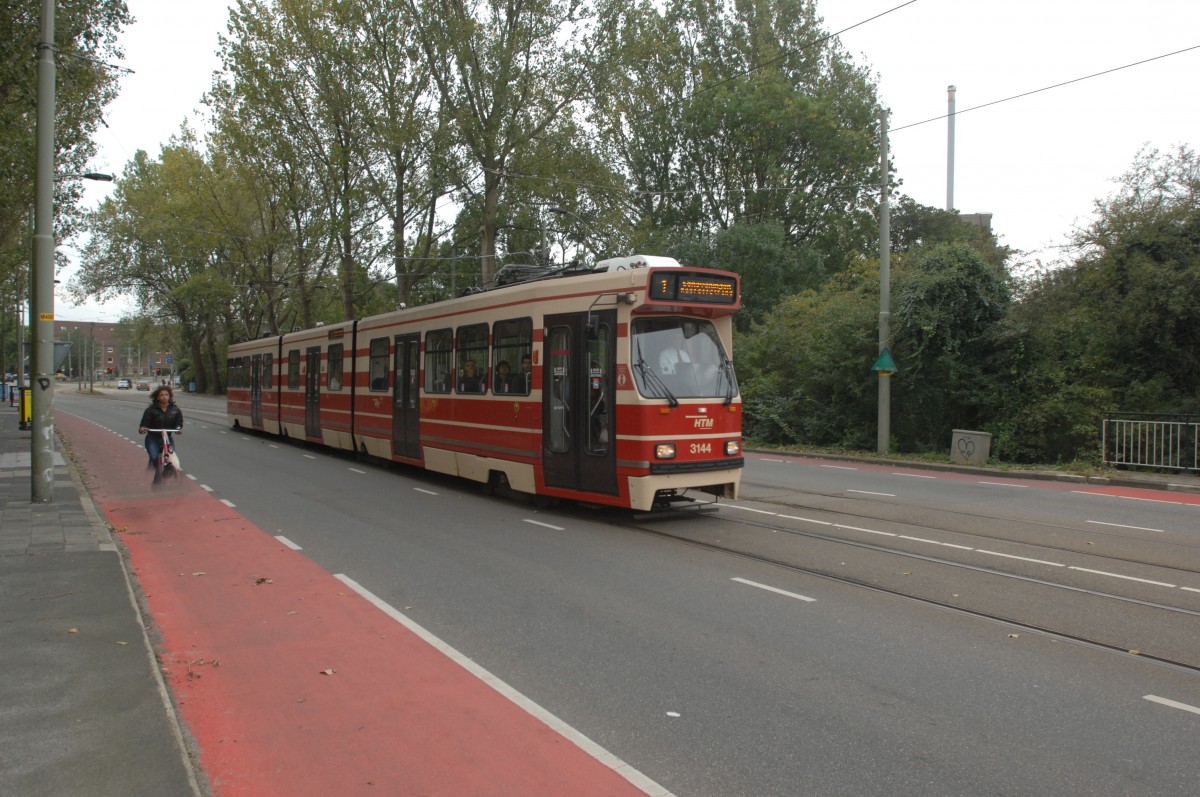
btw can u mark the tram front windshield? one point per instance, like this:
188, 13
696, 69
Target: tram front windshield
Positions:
675, 357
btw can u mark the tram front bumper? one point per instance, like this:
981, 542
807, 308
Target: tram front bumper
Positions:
721, 483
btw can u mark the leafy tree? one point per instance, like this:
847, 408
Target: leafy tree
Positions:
1119, 328
506, 74
406, 140
740, 113
275, 224
804, 369
292, 64
153, 239
947, 309
809, 378
914, 225
770, 266
86, 81
1138, 273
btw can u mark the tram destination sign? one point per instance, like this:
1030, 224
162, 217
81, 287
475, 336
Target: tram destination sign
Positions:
693, 287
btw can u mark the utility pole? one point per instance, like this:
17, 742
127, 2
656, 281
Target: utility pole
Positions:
41, 322
884, 366
92, 362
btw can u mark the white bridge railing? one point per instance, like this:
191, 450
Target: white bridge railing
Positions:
1148, 443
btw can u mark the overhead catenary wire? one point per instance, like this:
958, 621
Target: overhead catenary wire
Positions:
1047, 88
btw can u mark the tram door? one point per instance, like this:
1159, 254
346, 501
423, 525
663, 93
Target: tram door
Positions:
312, 392
406, 401
256, 391
579, 402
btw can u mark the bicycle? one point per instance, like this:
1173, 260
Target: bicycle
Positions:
164, 465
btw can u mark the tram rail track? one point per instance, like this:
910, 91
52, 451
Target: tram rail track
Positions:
1012, 619
1033, 524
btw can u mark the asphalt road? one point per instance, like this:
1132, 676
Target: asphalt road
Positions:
789, 645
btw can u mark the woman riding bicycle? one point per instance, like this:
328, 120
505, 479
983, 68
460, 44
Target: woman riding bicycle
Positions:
162, 413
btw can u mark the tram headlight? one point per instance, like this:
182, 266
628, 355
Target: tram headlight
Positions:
733, 448
664, 451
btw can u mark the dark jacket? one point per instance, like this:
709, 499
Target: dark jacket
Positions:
155, 418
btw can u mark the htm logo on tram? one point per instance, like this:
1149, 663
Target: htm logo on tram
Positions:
702, 422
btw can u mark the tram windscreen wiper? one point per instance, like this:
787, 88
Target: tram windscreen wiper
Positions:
651, 379
730, 380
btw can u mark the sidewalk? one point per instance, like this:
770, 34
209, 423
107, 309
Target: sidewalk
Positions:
82, 708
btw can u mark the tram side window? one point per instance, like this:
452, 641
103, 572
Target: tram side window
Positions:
294, 369
437, 361
512, 365
336, 356
472, 358
379, 364
268, 361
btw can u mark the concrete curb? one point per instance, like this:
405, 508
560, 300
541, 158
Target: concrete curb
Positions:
1181, 482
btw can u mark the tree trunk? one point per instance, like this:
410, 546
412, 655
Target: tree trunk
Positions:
487, 232
198, 366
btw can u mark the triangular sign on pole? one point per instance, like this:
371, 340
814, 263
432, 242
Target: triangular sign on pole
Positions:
885, 363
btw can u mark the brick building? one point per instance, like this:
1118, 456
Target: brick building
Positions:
101, 349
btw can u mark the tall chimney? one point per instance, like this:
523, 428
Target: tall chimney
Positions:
950, 149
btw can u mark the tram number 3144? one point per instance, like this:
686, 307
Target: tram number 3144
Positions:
701, 448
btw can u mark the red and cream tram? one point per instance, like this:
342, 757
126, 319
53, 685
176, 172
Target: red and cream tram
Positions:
608, 386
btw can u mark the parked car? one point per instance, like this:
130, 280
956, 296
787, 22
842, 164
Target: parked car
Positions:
124, 384
143, 384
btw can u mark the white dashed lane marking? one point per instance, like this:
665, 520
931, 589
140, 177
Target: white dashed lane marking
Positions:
776, 590
1171, 703
1123, 526
983, 551
544, 525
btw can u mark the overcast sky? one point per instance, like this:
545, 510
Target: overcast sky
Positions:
1036, 163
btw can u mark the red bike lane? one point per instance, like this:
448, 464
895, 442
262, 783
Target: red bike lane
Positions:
291, 683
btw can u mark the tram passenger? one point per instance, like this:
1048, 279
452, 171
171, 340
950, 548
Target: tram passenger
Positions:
504, 378
523, 382
470, 381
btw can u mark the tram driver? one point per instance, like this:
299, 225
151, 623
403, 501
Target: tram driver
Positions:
674, 355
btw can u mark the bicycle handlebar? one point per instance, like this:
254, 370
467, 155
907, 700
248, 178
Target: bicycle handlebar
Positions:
179, 431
